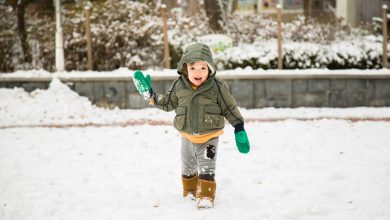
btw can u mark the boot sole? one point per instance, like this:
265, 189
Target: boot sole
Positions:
204, 204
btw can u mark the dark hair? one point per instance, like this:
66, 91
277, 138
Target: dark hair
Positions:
184, 70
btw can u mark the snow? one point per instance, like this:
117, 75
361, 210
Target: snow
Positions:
55, 165
352, 53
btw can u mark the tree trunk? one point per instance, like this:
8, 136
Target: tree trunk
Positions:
234, 6
215, 14
20, 10
193, 7
47, 5
169, 3
307, 9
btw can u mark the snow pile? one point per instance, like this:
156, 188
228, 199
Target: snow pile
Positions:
59, 102
58, 105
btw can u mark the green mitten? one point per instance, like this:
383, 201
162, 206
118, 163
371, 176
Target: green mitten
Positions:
242, 142
241, 137
143, 84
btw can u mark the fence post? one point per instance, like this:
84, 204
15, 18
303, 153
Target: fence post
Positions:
280, 55
384, 33
59, 43
89, 38
167, 59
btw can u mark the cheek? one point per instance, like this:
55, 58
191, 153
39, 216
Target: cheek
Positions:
191, 74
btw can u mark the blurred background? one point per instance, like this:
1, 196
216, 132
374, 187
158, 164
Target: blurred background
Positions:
333, 34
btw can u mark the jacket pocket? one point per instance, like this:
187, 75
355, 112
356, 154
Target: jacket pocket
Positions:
180, 118
212, 117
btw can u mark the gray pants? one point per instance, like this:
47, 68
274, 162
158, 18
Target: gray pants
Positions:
198, 158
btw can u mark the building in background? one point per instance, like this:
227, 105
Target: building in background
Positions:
268, 6
257, 6
355, 12
367, 9
351, 12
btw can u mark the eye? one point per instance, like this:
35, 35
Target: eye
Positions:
203, 68
192, 68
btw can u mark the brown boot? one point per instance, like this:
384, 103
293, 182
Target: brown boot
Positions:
205, 193
189, 186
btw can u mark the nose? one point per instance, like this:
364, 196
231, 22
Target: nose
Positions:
198, 70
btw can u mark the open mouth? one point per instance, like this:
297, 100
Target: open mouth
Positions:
198, 78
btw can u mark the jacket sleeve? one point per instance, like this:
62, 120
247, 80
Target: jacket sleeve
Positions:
229, 105
168, 101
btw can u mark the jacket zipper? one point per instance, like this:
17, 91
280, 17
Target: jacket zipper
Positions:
194, 114
196, 126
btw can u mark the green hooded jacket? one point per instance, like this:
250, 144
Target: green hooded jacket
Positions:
202, 110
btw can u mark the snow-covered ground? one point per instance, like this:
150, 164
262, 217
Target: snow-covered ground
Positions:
54, 166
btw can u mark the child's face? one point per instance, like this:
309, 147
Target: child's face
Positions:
197, 72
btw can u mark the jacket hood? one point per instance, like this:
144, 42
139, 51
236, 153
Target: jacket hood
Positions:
197, 52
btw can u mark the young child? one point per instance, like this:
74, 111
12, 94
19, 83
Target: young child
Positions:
201, 102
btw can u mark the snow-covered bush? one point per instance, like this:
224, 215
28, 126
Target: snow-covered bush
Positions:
10, 49
307, 44
250, 28
184, 30
125, 34
359, 53
129, 34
